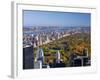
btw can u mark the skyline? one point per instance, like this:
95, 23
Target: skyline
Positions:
51, 18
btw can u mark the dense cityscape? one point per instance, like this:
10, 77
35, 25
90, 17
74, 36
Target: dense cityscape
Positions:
53, 39
56, 46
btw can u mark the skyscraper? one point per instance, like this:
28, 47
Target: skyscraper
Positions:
39, 60
28, 57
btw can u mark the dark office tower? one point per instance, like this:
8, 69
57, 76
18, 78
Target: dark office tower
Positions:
28, 57
85, 52
78, 62
86, 59
71, 59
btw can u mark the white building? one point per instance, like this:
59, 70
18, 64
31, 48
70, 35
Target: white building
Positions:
58, 57
39, 60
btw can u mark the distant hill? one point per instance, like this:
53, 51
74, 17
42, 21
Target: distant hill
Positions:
82, 29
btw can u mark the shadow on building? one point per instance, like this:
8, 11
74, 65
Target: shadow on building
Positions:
28, 57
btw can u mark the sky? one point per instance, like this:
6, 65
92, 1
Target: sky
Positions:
50, 18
